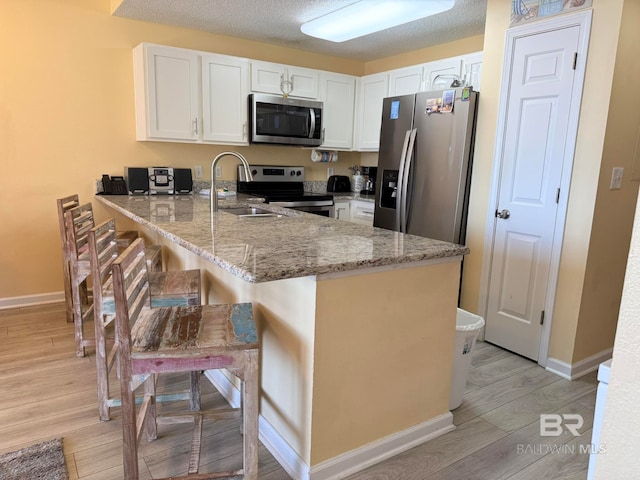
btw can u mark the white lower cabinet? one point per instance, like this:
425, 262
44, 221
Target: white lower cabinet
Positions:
361, 212
341, 210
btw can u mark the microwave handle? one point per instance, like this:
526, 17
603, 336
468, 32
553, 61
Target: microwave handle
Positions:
312, 120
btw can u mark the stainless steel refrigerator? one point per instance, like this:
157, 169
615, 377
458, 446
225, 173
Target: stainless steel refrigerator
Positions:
424, 163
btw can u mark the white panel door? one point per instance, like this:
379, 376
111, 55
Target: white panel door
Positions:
533, 155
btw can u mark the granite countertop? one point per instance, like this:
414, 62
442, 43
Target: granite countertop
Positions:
273, 248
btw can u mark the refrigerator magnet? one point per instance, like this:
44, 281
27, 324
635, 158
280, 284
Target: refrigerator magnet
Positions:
448, 96
466, 94
433, 105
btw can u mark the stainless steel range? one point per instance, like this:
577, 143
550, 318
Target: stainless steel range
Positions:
284, 187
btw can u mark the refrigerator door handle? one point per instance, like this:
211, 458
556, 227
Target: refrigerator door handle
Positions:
404, 212
399, 188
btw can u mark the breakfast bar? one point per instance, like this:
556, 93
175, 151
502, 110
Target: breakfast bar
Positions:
356, 323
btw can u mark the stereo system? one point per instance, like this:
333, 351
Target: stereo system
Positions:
158, 181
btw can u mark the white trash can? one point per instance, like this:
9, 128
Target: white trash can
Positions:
468, 327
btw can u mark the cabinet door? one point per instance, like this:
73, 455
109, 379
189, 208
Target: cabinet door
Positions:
341, 211
472, 69
225, 87
371, 90
404, 81
167, 93
337, 92
361, 212
279, 79
441, 73
304, 82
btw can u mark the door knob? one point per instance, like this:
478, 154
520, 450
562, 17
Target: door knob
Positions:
504, 214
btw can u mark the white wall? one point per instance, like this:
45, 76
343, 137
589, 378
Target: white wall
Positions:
621, 425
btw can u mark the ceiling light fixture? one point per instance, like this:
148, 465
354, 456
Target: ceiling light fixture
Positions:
369, 16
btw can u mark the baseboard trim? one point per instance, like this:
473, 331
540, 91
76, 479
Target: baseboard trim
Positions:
380, 450
572, 371
342, 465
31, 300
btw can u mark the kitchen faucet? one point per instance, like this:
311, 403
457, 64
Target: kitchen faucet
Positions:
247, 174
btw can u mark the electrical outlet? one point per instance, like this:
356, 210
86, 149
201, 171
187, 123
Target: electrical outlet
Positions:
616, 178
329, 171
198, 171
218, 172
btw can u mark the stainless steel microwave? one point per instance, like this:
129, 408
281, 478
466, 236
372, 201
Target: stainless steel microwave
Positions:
285, 121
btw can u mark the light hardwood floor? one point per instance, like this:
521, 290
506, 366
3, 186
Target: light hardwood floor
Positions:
46, 392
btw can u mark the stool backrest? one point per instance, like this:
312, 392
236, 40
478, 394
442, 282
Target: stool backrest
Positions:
64, 204
130, 289
78, 222
103, 251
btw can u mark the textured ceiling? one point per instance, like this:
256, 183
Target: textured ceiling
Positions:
278, 22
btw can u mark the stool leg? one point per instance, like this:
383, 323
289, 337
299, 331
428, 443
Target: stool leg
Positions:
250, 403
129, 435
102, 366
77, 317
194, 391
68, 294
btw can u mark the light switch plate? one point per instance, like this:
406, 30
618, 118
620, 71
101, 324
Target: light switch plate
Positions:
198, 171
329, 171
616, 178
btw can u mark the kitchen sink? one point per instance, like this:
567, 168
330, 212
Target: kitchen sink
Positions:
251, 212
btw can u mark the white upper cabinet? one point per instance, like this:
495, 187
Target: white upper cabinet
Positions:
166, 93
405, 81
225, 88
371, 89
337, 92
472, 69
280, 79
441, 73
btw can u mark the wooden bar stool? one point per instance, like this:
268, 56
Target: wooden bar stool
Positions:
78, 221
167, 289
124, 239
179, 339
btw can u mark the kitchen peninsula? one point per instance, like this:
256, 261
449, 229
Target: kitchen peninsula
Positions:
356, 323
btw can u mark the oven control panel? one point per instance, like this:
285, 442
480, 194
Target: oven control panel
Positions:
273, 173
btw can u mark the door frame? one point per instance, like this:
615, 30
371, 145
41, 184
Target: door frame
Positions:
581, 19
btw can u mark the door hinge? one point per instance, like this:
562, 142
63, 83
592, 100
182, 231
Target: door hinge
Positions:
575, 60
542, 318
558, 196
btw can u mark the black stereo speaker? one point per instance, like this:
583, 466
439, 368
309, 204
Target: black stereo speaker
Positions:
182, 180
137, 180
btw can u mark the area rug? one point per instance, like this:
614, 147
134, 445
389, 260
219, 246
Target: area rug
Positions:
42, 461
